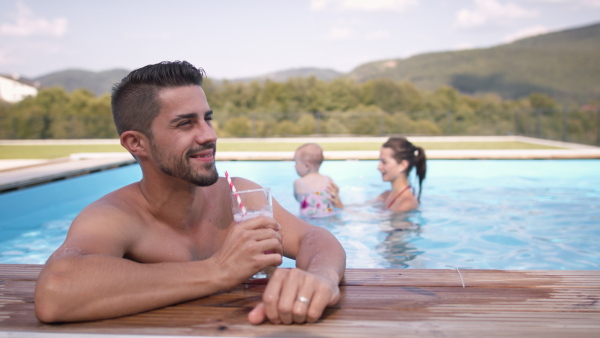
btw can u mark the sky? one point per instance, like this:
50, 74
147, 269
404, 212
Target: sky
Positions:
234, 39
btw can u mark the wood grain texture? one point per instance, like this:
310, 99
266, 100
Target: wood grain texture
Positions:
387, 303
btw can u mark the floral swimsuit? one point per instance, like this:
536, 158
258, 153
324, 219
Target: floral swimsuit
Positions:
316, 204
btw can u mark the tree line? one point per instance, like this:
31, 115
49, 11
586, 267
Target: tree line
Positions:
309, 106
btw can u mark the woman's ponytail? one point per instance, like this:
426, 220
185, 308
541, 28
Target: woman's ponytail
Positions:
404, 150
421, 167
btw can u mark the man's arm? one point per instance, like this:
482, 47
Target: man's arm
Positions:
92, 287
87, 278
301, 295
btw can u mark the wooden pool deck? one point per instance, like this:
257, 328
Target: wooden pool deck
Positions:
374, 302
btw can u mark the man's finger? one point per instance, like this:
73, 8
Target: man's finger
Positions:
302, 303
260, 222
272, 294
257, 315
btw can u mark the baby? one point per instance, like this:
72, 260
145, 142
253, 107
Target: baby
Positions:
317, 194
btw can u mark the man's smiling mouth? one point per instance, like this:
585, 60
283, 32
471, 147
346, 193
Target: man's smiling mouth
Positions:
202, 156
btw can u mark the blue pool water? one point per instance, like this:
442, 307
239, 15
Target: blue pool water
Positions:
488, 214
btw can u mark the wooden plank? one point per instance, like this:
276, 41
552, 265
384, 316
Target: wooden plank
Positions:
481, 278
215, 321
20, 271
373, 302
420, 277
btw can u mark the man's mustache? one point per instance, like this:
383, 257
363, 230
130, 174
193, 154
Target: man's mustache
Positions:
210, 145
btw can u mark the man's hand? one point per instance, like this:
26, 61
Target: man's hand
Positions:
295, 296
244, 251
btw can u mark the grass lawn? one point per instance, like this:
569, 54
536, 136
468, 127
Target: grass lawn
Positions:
349, 146
55, 151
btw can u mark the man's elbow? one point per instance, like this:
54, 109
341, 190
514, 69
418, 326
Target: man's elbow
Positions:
46, 312
50, 297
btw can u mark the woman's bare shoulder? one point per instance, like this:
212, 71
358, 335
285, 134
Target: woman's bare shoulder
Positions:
406, 204
384, 195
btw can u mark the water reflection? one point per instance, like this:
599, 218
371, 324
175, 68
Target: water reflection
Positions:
398, 247
375, 238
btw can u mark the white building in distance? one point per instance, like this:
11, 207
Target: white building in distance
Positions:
14, 89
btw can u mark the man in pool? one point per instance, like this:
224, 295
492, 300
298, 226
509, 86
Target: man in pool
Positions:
170, 237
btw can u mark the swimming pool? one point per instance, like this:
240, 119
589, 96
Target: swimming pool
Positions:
487, 214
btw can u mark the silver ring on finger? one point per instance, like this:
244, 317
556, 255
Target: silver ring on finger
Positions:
303, 300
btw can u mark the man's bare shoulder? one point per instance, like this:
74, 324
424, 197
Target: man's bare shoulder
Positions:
126, 200
120, 211
242, 183
109, 225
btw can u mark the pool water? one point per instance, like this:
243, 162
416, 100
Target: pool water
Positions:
486, 214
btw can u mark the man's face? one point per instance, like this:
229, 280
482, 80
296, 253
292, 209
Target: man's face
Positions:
184, 142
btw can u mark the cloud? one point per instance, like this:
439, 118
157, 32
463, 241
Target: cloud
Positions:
584, 3
590, 3
339, 33
378, 35
363, 5
491, 12
28, 24
345, 32
525, 33
463, 46
6, 59
147, 36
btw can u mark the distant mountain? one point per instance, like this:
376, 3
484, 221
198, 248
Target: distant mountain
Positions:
98, 83
101, 83
282, 76
565, 65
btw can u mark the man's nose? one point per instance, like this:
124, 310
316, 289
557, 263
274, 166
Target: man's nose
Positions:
205, 133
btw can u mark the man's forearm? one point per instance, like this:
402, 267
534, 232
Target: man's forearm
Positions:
321, 253
80, 288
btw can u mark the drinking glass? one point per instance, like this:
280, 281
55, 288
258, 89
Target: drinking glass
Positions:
247, 204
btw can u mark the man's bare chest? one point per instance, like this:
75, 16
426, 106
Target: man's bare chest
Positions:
172, 245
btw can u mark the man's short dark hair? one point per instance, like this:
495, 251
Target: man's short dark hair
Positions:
135, 101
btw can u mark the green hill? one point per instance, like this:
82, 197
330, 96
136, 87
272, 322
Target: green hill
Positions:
98, 83
564, 65
282, 76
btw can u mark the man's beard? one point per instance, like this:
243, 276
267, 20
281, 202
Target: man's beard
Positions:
180, 168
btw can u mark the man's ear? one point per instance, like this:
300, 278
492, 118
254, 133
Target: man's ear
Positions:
136, 143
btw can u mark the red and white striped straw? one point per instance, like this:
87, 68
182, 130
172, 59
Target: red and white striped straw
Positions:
237, 196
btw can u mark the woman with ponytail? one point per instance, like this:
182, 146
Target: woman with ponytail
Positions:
397, 158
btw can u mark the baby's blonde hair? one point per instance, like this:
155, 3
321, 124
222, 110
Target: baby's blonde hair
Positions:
311, 153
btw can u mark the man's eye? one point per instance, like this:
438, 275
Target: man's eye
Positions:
184, 122
208, 118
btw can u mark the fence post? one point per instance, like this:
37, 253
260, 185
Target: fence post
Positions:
598, 129
565, 124
516, 121
538, 125
317, 122
72, 127
13, 129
